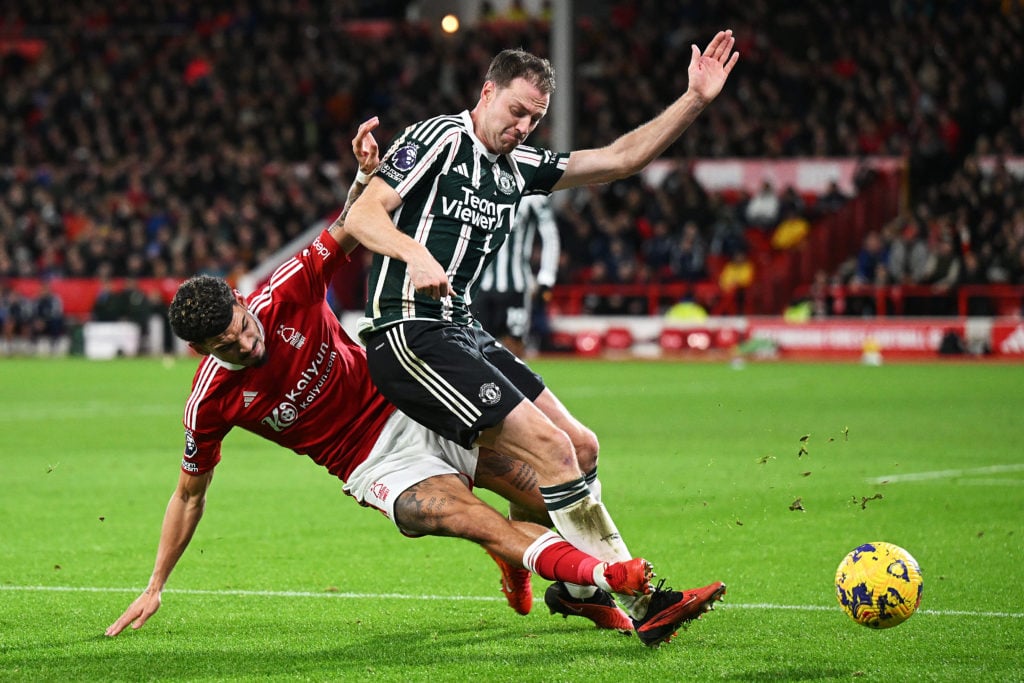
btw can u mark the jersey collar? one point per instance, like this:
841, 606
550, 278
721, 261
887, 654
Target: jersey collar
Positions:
467, 121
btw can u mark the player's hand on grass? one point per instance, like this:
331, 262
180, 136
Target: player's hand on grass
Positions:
708, 72
137, 613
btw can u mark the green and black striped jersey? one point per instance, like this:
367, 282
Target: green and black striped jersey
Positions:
459, 200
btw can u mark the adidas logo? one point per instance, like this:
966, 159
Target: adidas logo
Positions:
248, 397
462, 170
1014, 343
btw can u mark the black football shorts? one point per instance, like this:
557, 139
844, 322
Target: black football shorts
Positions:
453, 379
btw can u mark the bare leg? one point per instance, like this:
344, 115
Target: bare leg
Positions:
526, 434
584, 441
444, 506
514, 481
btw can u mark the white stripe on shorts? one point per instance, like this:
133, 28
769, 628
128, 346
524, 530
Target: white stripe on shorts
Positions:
433, 382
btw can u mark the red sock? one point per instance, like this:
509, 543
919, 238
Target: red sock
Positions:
556, 560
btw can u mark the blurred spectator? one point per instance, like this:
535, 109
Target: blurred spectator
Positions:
735, 279
791, 203
832, 200
791, 231
688, 256
867, 271
595, 304
727, 234
995, 262
15, 317
106, 307
516, 12
763, 208
48, 323
908, 255
973, 273
871, 260
943, 273
135, 306
971, 270
128, 302
821, 295
657, 250
681, 197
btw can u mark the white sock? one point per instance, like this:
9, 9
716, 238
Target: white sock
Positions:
578, 591
588, 526
636, 605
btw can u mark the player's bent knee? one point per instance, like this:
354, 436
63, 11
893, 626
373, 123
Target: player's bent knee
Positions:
587, 448
556, 454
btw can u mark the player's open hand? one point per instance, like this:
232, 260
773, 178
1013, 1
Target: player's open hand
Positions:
137, 613
708, 72
365, 147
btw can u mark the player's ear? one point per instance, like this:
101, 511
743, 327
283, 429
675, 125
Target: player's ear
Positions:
198, 348
487, 91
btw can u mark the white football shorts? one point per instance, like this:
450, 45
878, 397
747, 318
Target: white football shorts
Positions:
405, 454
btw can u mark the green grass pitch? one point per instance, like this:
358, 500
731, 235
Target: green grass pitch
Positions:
703, 470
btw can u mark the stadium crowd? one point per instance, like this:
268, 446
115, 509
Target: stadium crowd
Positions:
176, 137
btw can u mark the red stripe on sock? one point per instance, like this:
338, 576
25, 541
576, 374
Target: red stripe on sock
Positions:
563, 562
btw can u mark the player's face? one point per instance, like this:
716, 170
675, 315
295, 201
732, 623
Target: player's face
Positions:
511, 114
241, 343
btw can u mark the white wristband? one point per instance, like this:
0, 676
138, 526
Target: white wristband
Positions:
363, 178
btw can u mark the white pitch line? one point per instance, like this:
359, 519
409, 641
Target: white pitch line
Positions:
446, 598
945, 474
820, 608
88, 410
251, 593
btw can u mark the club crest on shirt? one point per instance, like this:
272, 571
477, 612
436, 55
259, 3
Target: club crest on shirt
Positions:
505, 182
292, 336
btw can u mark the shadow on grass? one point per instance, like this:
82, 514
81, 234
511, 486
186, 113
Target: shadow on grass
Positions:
483, 650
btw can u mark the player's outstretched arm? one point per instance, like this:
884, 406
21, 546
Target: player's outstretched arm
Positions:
184, 511
367, 154
630, 153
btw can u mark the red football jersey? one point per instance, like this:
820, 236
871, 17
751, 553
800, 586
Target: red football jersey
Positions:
312, 395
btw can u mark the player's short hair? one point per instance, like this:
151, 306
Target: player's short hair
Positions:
511, 64
202, 308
